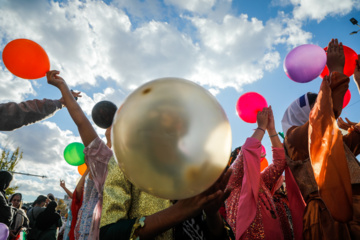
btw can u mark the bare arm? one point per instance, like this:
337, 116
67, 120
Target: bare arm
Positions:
87, 132
62, 184
262, 121
80, 186
209, 201
274, 137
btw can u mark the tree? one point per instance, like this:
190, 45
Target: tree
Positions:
62, 207
8, 162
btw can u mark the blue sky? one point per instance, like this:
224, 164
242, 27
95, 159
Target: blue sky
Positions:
107, 49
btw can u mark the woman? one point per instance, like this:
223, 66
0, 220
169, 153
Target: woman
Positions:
48, 222
33, 213
321, 159
6, 212
20, 218
250, 208
160, 215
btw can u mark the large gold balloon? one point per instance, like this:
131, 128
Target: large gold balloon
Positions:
171, 138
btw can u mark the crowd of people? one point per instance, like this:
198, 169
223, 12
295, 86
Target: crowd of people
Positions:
318, 198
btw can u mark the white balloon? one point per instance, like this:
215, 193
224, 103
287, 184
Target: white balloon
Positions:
171, 138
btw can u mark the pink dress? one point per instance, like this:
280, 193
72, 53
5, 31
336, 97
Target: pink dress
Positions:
97, 156
250, 208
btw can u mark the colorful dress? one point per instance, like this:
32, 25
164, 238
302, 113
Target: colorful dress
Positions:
250, 209
125, 207
97, 155
324, 166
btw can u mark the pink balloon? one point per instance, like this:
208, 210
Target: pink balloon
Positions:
248, 105
347, 98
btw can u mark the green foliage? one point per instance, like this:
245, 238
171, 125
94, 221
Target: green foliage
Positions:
8, 162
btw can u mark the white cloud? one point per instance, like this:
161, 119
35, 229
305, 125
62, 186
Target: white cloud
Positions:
199, 6
12, 88
238, 50
319, 9
110, 49
42, 144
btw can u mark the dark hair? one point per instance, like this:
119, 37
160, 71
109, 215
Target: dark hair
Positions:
51, 196
16, 194
39, 199
5, 179
311, 97
52, 206
233, 156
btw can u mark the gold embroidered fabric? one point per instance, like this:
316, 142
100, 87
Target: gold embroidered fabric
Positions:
122, 200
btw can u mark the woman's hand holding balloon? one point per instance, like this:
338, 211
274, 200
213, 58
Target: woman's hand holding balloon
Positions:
87, 132
222, 193
208, 201
54, 79
335, 56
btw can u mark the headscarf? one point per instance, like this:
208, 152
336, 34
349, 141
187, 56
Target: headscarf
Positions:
5, 179
48, 217
16, 194
298, 112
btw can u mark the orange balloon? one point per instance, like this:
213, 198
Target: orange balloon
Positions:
26, 59
82, 168
263, 164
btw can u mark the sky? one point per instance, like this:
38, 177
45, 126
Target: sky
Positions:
106, 49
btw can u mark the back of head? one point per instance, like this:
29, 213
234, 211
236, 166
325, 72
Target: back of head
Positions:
5, 179
51, 206
40, 199
51, 196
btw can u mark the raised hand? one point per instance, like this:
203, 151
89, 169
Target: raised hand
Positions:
62, 183
54, 79
262, 118
210, 201
345, 125
335, 56
271, 121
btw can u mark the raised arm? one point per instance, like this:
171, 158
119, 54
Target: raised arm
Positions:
15, 115
62, 185
272, 173
80, 186
87, 132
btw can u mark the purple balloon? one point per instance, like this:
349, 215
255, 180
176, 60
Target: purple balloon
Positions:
4, 231
305, 63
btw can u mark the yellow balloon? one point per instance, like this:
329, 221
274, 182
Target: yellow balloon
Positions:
171, 138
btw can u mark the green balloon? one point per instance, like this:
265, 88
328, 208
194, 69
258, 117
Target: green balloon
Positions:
74, 154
